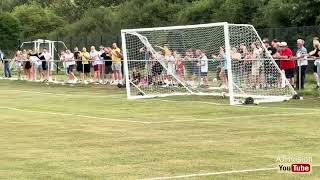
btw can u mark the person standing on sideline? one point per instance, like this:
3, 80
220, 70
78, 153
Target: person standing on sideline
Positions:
302, 62
6, 67
85, 56
70, 63
19, 66
76, 55
95, 57
287, 63
315, 55
100, 64
204, 68
116, 64
106, 55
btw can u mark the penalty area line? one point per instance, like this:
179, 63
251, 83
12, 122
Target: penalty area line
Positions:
151, 122
235, 117
214, 173
76, 115
210, 174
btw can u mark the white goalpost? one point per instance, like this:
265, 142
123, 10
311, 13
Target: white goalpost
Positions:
217, 59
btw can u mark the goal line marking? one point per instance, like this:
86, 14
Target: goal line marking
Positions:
164, 100
214, 173
243, 106
149, 122
76, 115
235, 117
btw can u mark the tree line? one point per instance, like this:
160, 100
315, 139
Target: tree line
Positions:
30, 19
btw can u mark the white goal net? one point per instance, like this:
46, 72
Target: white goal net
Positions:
218, 59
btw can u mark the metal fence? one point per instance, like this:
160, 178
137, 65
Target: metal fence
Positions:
291, 34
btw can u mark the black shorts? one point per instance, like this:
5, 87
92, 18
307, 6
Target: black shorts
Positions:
28, 65
289, 73
156, 69
44, 65
70, 69
85, 68
315, 69
79, 66
108, 69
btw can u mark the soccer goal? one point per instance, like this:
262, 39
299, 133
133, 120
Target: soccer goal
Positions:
217, 59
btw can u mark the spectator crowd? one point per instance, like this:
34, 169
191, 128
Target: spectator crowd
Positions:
106, 64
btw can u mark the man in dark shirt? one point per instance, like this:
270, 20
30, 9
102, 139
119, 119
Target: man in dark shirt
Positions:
43, 64
268, 63
106, 55
6, 65
77, 58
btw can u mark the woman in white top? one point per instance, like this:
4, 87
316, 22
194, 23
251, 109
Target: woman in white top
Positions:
70, 63
19, 66
169, 59
257, 62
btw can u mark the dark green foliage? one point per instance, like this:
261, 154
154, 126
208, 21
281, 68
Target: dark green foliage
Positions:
79, 19
9, 31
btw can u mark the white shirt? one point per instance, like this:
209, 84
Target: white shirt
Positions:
170, 60
100, 58
204, 64
95, 57
35, 59
69, 60
47, 56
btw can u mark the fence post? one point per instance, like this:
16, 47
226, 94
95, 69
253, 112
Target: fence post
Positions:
70, 43
57, 69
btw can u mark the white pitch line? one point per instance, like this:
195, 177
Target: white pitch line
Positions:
235, 117
77, 115
214, 173
210, 174
150, 122
242, 106
202, 102
164, 100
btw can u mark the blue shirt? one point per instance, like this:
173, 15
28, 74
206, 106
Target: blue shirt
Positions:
223, 62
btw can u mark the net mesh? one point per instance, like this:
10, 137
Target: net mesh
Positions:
194, 60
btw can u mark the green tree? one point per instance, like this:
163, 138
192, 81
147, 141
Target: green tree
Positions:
36, 20
237, 11
201, 11
10, 29
149, 13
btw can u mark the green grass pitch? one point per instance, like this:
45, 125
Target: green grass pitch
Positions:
62, 132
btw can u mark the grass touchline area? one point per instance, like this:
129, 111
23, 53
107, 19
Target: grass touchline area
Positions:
93, 132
